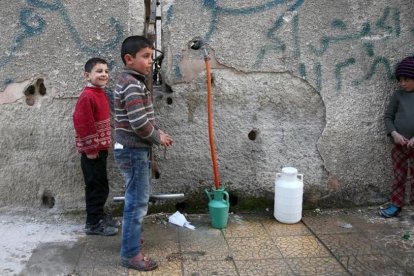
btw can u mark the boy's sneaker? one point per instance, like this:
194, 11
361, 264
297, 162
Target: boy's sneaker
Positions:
100, 228
87, 227
111, 221
390, 211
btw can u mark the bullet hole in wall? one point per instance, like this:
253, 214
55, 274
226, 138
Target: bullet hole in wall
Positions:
48, 200
36, 88
253, 134
168, 88
157, 174
41, 87
29, 93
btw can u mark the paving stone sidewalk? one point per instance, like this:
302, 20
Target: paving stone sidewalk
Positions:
326, 242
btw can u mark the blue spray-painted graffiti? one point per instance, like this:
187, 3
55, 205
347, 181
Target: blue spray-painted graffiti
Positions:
365, 32
387, 26
277, 43
338, 69
383, 31
33, 24
170, 13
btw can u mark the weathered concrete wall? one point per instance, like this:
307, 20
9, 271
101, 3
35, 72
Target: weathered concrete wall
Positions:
312, 77
296, 83
48, 42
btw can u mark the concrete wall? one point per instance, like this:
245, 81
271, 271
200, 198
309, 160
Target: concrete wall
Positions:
295, 83
44, 45
311, 77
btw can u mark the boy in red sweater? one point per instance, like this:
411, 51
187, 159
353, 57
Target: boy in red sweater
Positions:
91, 120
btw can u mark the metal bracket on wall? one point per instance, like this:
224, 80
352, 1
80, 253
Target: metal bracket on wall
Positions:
151, 19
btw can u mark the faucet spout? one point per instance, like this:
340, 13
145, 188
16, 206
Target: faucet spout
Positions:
198, 43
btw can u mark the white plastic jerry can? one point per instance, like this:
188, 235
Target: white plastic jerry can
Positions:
288, 196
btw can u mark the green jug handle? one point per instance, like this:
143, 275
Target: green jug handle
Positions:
208, 194
226, 197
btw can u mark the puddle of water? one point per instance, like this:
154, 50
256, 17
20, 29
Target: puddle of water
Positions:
21, 235
58, 258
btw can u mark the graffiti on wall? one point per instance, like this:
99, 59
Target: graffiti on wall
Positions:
386, 26
373, 32
32, 24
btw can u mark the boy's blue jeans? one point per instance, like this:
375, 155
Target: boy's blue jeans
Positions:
135, 164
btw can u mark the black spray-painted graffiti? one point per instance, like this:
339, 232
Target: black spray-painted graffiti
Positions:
387, 26
33, 24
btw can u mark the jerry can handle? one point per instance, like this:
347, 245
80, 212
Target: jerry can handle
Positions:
300, 176
226, 197
208, 194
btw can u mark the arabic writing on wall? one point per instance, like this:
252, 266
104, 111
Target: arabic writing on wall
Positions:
375, 31
32, 24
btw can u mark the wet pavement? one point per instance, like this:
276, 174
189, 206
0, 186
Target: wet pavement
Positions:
326, 242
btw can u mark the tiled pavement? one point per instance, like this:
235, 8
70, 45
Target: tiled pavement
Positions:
326, 242
373, 246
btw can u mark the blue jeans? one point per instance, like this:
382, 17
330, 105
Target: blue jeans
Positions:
135, 164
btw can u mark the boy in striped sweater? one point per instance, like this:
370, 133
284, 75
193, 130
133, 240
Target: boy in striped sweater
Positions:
135, 134
93, 139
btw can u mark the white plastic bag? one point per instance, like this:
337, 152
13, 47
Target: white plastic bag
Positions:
179, 219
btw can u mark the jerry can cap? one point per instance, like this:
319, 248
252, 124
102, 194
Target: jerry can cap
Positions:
289, 170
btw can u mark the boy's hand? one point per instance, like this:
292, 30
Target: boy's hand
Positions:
165, 139
410, 143
399, 139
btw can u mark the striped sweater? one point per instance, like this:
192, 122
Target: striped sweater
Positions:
134, 113
91, 120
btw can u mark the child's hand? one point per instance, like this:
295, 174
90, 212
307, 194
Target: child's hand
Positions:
165, 139
410, 143
399, 139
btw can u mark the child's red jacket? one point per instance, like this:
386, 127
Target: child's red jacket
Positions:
91, 120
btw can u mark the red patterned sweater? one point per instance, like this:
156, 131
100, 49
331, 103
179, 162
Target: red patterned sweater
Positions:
91, 120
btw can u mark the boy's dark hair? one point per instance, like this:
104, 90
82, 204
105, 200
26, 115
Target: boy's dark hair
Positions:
405, 68
133, 44
92, 62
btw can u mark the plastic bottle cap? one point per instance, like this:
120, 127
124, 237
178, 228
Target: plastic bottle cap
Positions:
289, 170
